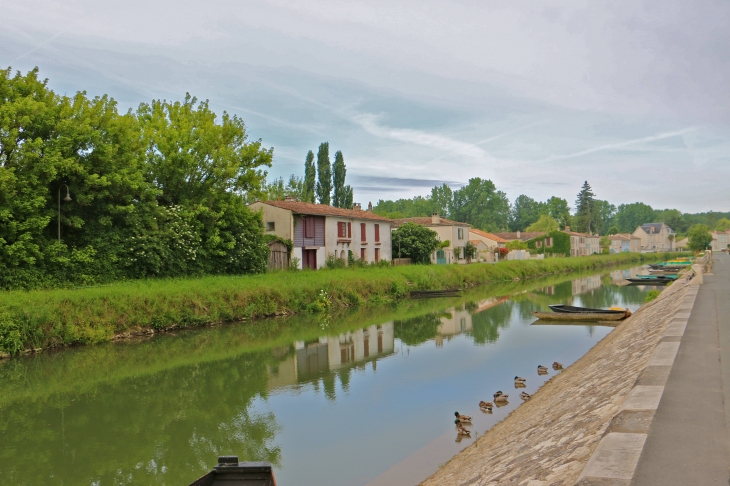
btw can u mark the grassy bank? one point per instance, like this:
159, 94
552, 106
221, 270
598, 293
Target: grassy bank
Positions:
42, 319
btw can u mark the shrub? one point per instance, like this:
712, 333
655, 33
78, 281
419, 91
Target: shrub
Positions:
651, 295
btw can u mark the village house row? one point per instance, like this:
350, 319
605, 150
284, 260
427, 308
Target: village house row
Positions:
318, 231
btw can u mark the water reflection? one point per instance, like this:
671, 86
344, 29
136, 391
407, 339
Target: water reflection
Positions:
160, 411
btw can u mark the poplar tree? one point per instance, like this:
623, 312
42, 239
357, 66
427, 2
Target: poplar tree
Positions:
339, 171
310, 176
324, 173
585, 207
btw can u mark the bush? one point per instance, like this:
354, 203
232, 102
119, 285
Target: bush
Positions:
414, 241
651, 295
10, 339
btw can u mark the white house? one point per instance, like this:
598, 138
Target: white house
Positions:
319, 230
720, 240
457, 234
623, 243
655, 237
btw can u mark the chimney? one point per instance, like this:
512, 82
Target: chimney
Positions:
291, 199
567, 228
518, 234
356, 206
435, 218
370, 207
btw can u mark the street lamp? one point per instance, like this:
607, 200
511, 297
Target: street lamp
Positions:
67, 198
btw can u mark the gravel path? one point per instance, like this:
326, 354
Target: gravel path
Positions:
549, 439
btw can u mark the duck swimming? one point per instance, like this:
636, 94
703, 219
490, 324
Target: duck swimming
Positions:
525, 396
519, 380
462, 418
557, 366
461, 429
485, 406
500, 397
542, 370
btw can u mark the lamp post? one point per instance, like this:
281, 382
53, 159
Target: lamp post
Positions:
67, 198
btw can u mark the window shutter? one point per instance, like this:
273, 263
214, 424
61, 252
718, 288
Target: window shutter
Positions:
377, 232
349, 230
363, 236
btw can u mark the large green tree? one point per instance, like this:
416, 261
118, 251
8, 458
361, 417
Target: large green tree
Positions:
585, 210
342, 196
525, 211
310, 178
442, 199
482, 205
411, 240
699, 237
545, 224
604, 213
558, 209
631, 216
324, 174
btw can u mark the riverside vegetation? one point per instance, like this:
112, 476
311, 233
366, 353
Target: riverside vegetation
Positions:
49, 318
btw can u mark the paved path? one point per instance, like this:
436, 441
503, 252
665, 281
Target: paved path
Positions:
688, 440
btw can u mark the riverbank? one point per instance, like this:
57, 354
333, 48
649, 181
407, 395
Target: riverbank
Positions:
549, 439
44, 319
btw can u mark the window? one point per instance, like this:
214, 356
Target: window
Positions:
349, 230
270, 226
362, 254
377, 237
341, 230
549, 242
377, 255
363, 236
538, 244
309, 228
460, 233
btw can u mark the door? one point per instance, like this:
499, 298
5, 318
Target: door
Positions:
309, 259
440, 257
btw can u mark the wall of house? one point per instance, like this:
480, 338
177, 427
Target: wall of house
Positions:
282, 219
339, 247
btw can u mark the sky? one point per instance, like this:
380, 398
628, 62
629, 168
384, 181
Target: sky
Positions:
632, 96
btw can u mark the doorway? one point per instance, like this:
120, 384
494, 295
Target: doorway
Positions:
309, 259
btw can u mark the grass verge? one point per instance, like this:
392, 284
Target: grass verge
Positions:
49, 318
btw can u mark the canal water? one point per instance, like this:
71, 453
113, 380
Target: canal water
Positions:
363, 397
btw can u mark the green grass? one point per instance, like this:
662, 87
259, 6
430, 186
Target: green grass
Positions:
50, 318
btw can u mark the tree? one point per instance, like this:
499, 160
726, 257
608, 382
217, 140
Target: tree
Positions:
631, 216
605, 243
545, 224
605, 213
524, 212
339, 172
585, 210
673, 218
516, 245
442, 198
723, 224
613, 230
411, 240
470, 251
482, 205
310, 176
559, 210
324, 173
699, 237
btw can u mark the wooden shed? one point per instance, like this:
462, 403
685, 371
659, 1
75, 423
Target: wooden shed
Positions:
278, 256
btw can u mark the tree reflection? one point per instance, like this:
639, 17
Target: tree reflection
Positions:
417, 330
487, 323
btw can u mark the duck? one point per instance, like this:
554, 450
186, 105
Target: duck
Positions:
500, 397
462, 418
557, 366
519, 380
461, 429
525, 396
485, 406
541, 370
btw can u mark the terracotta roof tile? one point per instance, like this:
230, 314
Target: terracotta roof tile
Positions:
299, 207
490, 236
427, 221
524, 235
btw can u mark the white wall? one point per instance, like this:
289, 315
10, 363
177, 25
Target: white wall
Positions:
332, 247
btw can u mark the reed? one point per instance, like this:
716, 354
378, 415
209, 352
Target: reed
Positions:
49, 318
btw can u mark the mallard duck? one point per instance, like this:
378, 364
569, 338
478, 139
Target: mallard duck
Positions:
557, 366
541, 370
485, 406
461, 429
525, 396
500, 397
519, 379
462, 418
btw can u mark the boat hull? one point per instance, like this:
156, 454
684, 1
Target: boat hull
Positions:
579, 316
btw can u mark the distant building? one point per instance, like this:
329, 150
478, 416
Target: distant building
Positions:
582, 244
319, 230
520, 235
655, 237
623, 243
720, 240
456, 233
490, 241
682, 244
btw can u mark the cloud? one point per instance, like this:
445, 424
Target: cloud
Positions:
402, 182
369, 123
611, 146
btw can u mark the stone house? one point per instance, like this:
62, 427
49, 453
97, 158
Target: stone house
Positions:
489, 241
520, 235
456, 233
582, 244
319, 230
655, 237
624, 242
720, 240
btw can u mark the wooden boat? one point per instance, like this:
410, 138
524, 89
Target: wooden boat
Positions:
580, 316
569, 309
427, 294
230, 472
650, 281
657, 277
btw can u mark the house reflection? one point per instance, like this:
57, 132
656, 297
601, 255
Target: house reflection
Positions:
312, 359
586, 284
459, 320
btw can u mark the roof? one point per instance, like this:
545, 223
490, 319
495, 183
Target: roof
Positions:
657, 227
477, 242
623, 237
490, 236
305, 208
427, 221
584, 235
524, 235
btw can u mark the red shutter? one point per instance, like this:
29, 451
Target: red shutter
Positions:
340, 230
309, 228
363, 236
362, 254
377, 233
349, 230
377, 255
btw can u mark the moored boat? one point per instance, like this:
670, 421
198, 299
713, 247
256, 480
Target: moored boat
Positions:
650, 281
569, 309
581, 316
